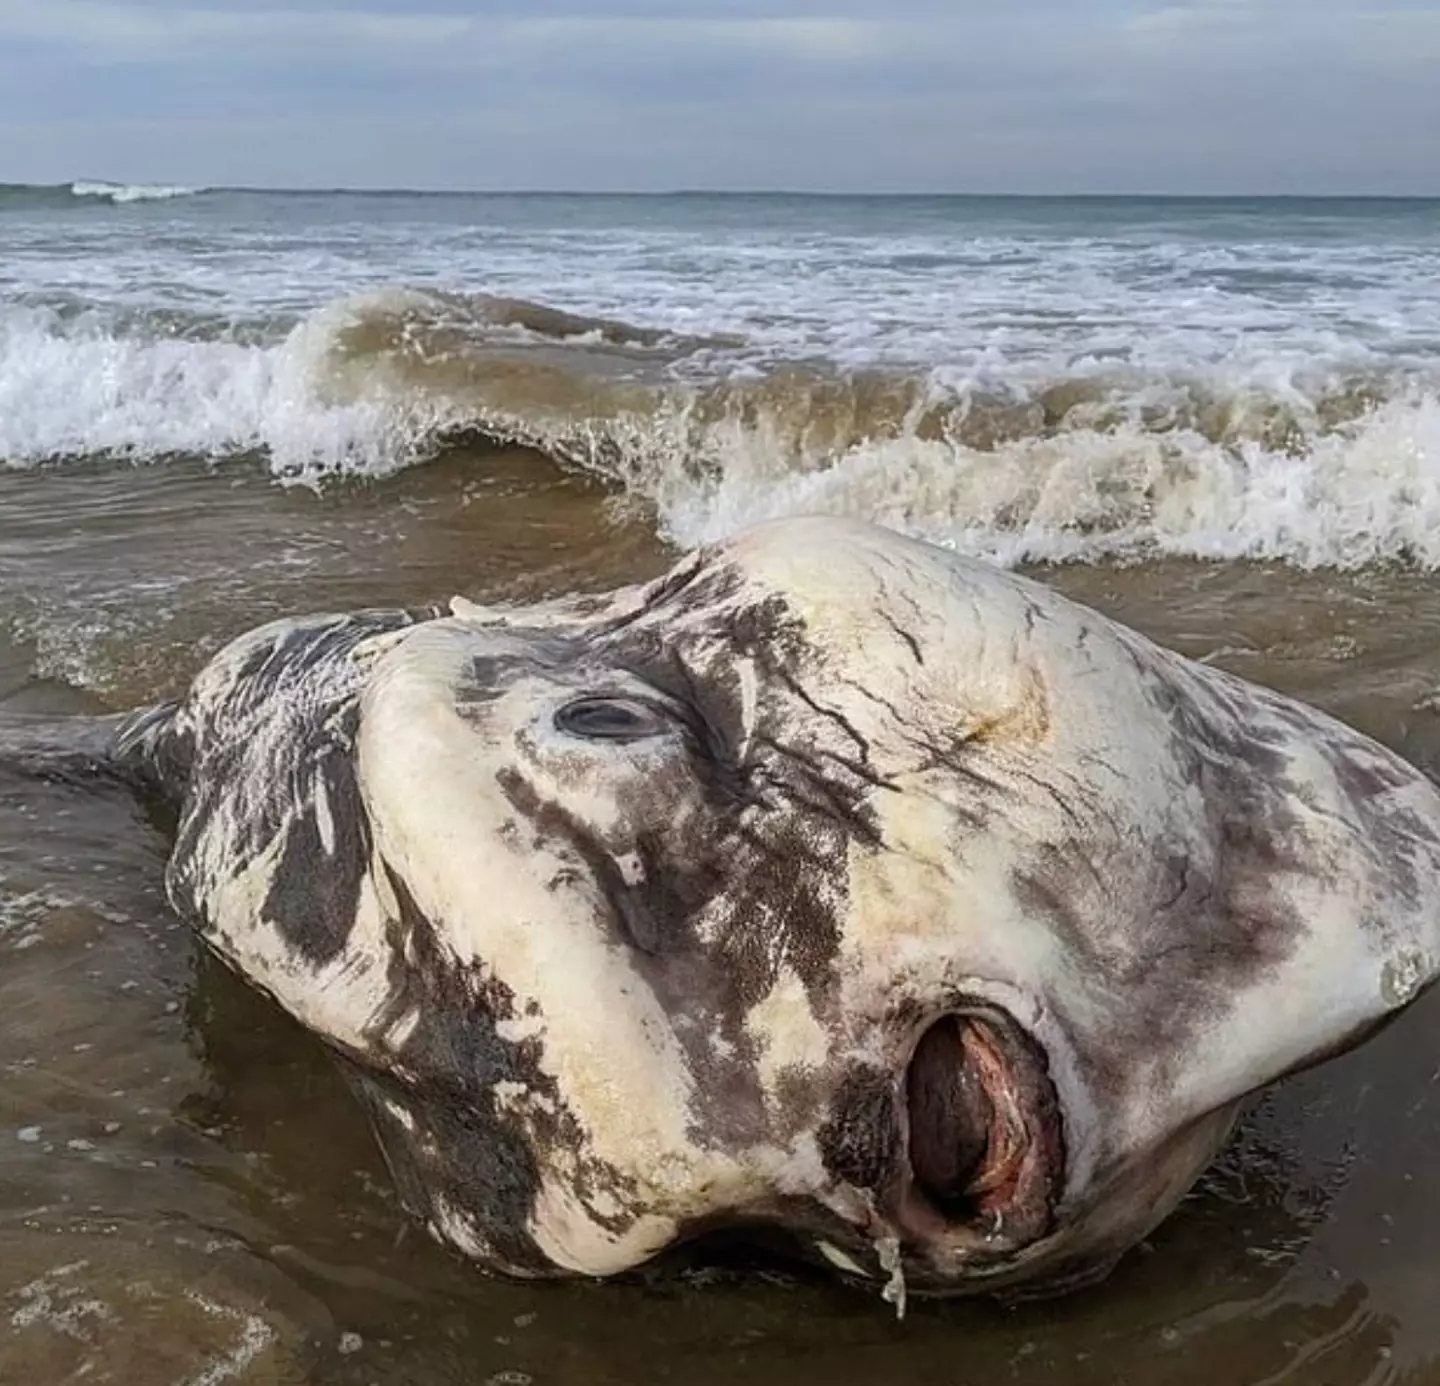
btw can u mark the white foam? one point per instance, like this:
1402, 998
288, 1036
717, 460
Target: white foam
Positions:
131, 192
1347, 494
856, 285
1368, 492
72, 388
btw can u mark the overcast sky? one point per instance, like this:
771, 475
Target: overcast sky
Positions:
848, 95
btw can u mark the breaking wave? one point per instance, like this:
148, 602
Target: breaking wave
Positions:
1314, 463
131, 192
38, 196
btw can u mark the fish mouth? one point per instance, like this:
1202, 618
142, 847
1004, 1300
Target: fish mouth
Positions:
983, 1155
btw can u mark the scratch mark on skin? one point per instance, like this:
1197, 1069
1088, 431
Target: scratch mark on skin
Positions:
830, 714
911, 643
897, 717
817, 794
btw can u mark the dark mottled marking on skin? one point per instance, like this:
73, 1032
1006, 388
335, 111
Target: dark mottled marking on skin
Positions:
658, 917
795, 878
1393, 830
803, 778
781, 863
754, 852
487, 677
707, 712
799, 1096
1216, 924
656, 914
769, 632
708, 704
296, 653
445, 1072
860, 1141
484, 680
665, 591
314, 895
158, 746
254, 743
697, 584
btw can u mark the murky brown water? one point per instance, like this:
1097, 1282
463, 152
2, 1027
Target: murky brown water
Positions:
188, 1195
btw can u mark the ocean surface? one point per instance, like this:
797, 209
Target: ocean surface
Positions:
1025, 379
1218, 420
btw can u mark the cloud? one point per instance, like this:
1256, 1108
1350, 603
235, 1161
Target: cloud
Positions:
100, 34
130, 31
1289, 95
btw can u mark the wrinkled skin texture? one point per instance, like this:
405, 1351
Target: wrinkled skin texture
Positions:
831, 883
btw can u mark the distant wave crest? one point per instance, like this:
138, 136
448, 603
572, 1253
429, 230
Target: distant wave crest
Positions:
42, 196
1332, 465
131, 192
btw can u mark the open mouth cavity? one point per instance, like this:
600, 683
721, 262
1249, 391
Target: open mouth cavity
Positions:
982, 1136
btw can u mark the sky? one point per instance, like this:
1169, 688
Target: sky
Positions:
1024, 96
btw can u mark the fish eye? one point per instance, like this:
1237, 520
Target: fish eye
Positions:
610, 719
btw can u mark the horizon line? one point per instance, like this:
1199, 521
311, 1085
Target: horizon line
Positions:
818, 194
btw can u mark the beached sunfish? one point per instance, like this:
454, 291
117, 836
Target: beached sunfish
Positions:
832, 884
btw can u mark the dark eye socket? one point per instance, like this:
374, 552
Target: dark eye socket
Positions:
610, 719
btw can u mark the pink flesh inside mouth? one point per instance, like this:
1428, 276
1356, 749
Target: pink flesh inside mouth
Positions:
982, 1138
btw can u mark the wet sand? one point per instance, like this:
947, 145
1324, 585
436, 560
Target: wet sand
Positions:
189, 1195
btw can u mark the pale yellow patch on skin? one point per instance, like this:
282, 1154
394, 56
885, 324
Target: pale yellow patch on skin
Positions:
1027, 721
786, 1032
569, 1236
910, 888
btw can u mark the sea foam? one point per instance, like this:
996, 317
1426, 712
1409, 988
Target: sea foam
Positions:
1316, 466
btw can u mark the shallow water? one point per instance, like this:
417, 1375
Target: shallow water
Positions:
188, 1194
